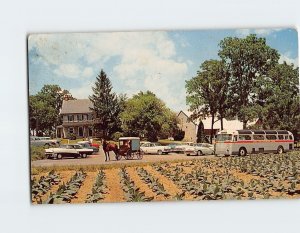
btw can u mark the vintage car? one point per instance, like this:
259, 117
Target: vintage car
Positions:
185, 145
43, 141
200, 149
87, 144
176, 148
69, 150
154, 148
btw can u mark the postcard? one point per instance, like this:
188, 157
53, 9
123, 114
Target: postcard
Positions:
164, 115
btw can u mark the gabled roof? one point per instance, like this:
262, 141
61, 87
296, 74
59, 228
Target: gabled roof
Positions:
76, 106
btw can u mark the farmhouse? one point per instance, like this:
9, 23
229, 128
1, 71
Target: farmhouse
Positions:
190, 127
77, 118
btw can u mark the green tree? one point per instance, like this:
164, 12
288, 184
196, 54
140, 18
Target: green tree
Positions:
147, 116
279, 98
207, 93
248, 60
200, 133
44, 109
106, 106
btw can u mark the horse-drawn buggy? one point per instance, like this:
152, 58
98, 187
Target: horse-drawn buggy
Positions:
129, 147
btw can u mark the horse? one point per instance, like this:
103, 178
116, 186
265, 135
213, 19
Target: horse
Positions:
110, 147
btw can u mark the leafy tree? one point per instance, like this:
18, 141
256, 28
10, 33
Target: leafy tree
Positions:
207, 93
279, 98
248, 60
44, 109
200, 133
147, 116
106, 106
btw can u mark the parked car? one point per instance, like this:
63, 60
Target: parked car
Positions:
200, 149
68, 150
176, 148
185, 145
154, 148
87, 144
44, 141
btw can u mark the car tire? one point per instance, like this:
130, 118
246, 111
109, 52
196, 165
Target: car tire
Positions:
199, 153
242, 151
84, 156
59, 156
280, 150
159, 152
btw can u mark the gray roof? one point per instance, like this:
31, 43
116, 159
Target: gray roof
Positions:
76, 106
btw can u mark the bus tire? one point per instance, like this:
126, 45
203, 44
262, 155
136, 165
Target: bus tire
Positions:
242, 151
280, 150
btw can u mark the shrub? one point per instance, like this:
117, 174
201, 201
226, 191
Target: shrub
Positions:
37, 152
179, 135
72, 136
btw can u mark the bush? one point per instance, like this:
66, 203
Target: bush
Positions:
116, 136
37, 153
72, 136
179, 135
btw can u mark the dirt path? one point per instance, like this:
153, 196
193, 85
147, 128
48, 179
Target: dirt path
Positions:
113, 181
85, 188
139, 183
65, 176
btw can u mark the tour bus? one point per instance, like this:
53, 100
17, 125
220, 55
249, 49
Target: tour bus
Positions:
243, 142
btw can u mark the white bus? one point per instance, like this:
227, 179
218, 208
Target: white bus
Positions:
243, 142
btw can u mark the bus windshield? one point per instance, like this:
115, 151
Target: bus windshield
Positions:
224, 137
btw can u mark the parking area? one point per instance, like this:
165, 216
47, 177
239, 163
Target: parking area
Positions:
99, 158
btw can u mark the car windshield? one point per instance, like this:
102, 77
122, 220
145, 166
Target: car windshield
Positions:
224, 137
157, 144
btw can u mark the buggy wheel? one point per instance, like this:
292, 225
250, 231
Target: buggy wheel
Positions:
128, 154
118, 157
139, 154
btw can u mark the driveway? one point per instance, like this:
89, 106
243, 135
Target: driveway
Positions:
100, 159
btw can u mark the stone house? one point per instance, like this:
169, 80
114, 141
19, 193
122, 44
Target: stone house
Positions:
190, 127
77, 118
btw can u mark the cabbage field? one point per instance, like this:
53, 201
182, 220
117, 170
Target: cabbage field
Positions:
252, 177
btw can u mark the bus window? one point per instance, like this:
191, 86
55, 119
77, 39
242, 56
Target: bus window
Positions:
280, 137
235, 138
258, 137
286, 137
271, 137
224, 137
291, 137
244, 137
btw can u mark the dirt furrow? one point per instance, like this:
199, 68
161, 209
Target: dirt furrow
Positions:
85, 188
139, 183
113, 182
168, 184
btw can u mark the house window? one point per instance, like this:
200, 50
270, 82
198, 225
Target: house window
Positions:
71, 130
79, 117
90, 117
70, 118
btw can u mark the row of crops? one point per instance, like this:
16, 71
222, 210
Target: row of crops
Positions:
251, 177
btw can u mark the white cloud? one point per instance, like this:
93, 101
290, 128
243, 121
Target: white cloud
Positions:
288, 60
87, 72
68, 70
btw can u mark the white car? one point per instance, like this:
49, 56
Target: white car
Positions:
154, 148
70, 150
200, 149
185, 145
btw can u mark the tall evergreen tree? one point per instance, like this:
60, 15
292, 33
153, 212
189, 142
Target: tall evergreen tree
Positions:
200, 133
105, 104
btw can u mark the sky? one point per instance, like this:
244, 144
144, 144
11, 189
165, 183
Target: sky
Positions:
159, 61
